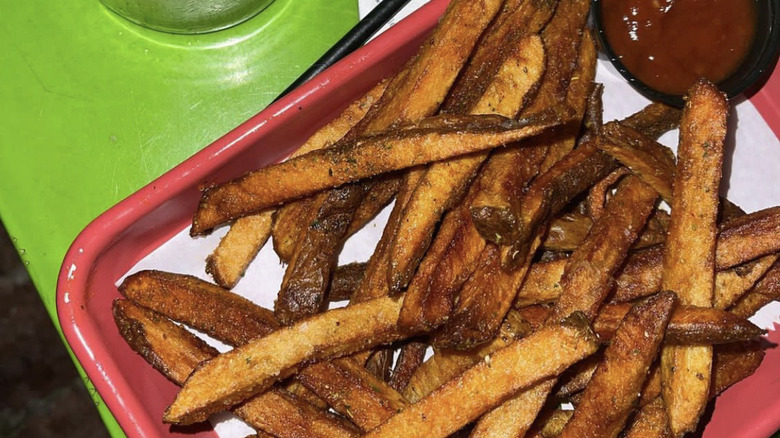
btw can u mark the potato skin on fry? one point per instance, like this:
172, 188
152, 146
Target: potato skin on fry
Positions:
238, 248
689, 253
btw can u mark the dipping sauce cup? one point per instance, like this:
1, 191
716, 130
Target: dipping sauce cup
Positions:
663, 46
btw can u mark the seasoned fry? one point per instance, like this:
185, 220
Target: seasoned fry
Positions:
238, 248
689, 325
550, 423
614, 388
689, 253
492, 380
650, 421
564, 80
734, 362
654, 120
238, 374
444, 183
175, 352
355, 160
444, 365
765, 290
307, 276
542, 284
200, 304
733, 283
649, 160
599, 193
748, 237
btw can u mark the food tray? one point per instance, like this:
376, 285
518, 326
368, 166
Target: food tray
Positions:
158, 215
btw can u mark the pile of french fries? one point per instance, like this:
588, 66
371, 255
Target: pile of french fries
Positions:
529, 244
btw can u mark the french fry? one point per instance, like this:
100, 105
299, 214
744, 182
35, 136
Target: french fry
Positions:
200, 304
689, 325
443, 184
307, 276
748, 237
287, 224
444, 365
654, 120
731, 284
352, 161
345, 280
563, 80
649, 160
614, 388
348, 388
462, 400
689, 253
176, 352
238, 248
242, 372
568, 231
650, 421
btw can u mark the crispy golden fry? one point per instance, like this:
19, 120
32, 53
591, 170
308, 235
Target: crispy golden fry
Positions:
689, 325
175, 352
307, 276
444, 365
689, 253
374, 202
542, 284
748, 237
734, 362
347, 387
568, 231
287, 224
238, 248
765, 290
649, 160
601, 192
650, 421
345, 280
234, 376
352, 161
353, 392
614, 388
576, 378
410, 358
492, 380
444, 183
200, 304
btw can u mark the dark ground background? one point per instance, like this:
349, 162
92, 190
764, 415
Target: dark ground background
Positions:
41, 395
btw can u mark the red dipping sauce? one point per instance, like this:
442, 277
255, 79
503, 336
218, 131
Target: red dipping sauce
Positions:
669, 44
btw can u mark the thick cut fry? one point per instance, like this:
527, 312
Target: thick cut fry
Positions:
307, 276
587, 277
748, 237
654, 120
647, 159
733, 283
585, 283
765, 290
689, 325
689, 254
614, 389
238, 248
175, 352
352, 161
445, 365
443, 184
200, 304
236, 375
542, 284
491, 381
734, 362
